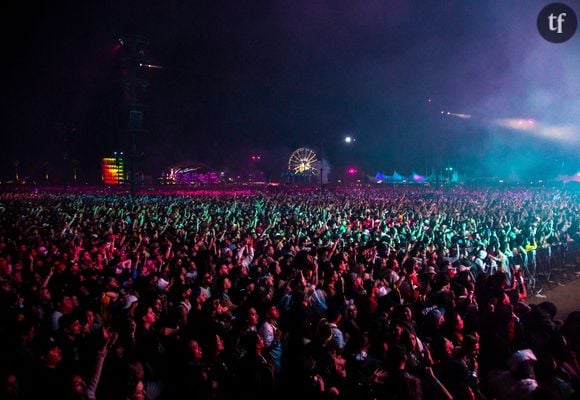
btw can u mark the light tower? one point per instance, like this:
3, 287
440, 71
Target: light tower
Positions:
134, 87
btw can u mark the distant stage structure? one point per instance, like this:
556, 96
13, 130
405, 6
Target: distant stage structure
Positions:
189, 174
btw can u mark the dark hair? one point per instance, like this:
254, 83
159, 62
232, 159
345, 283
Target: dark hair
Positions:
395, 356
249, 342
548, 308
141, 311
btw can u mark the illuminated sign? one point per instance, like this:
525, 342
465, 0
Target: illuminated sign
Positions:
113, 170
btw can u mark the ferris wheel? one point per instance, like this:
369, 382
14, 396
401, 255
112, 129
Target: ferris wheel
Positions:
303, 161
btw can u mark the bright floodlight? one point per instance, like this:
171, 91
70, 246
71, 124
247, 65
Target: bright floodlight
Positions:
349, 139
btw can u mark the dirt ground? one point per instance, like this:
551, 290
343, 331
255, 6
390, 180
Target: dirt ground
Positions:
565, 296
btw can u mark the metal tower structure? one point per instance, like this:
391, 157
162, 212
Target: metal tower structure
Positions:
134, 86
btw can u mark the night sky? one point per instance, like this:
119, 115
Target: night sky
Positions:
266, 77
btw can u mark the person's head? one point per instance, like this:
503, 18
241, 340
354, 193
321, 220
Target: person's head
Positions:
396, 358
207, 279
52, 355
435, 318
88, 317
442, 348
111, 283
470, 346
253, 343
130, 303
146, 316
273, 313
215, 344
65, 304
199, 296
323, 332
454, 322
409, 340
225, 284
333, 314
396, 331
361, 342
26, 331
403, 313
10, 387
521, 364
71, 325
410, 266
136, 390
78, 386
393, 264
547, 308
252, 317
45, 295
194, 350
158, 305
223, 270
351, 311
135, 370
185, 293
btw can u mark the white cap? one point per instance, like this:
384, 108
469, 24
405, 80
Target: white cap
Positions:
520, 357
129, 300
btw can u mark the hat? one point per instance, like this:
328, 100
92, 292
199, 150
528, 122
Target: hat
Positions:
429, 270
519, 357
129, 300
435, 314
392, 298
162, 284
383, 291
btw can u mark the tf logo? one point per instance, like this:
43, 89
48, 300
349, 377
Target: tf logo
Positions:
557, 22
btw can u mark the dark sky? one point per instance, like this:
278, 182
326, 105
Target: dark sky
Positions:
266, 77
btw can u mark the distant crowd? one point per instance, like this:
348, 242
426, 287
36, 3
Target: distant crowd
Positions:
329, 294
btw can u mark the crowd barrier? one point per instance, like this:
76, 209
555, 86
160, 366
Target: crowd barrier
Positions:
555, 265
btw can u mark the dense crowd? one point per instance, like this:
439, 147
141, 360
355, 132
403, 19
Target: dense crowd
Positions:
367, 294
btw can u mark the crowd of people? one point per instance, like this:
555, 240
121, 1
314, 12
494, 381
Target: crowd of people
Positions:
403, 293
